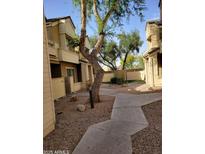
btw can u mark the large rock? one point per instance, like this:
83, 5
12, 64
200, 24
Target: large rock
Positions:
73, 98
81, 107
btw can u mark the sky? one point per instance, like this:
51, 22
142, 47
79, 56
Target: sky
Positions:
60, 8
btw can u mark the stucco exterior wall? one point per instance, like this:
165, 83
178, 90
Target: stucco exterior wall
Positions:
53, 33
152, 35
77, 86
65, 66
131, 75
58, 87
153, 68
136, 75
48, 104
107, 77
68, 28
69, 56
153, 78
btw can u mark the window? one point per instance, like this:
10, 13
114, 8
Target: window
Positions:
55, 71
70, 72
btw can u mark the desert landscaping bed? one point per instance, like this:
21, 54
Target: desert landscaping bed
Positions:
149, 140
72, 124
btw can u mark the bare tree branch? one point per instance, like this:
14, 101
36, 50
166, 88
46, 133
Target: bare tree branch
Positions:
109, 13
113, 67
83, 30
95, 11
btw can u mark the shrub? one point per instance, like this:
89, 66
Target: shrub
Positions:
116, 80
113, 80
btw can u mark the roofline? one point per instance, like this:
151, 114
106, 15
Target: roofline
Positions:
156, 21
150, 51
59, 18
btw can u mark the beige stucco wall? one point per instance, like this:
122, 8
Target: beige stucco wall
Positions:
68, 28
131, 75
53, 33
48, 104
69, 56
152, 35
151, 69
107, 77
77, 86
58, 87
65, 66
136, 75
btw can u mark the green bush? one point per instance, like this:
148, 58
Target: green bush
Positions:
113, 80
116, 80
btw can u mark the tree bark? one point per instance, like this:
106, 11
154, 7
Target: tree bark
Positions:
125, 59
99, 73
92, 58
96, 86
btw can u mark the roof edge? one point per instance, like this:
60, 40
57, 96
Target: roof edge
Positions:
59, 18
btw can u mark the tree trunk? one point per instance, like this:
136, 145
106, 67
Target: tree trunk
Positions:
96, 86
92, 58
99, 73
125, 59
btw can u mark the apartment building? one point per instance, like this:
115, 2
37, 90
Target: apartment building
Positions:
153, 55
48, 103
70, 71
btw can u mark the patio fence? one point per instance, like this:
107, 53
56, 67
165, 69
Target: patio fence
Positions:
58, 86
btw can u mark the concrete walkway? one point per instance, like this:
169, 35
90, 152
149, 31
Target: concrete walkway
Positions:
114, 136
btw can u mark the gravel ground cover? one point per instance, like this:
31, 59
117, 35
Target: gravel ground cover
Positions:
149, 140
72, 124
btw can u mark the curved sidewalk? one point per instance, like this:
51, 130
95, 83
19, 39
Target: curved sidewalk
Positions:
114, 135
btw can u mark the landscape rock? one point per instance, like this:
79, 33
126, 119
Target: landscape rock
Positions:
81, 107
73, 99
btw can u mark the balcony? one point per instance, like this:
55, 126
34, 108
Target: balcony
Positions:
53, 50
68, 56
151, 30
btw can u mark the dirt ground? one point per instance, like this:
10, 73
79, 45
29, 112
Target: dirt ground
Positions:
72, 124
149, 140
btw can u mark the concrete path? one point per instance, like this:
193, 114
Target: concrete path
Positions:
114, 136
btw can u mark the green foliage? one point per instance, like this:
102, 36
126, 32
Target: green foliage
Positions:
130, 62
118, 10
140, 62
130, 41
89, 4
74, 42
116, 80
109, 52
133, 62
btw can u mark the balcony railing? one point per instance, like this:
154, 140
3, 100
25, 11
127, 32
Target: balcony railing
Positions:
68, 56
